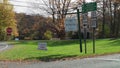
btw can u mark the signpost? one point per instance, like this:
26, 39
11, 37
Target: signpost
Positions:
86, 7
85, 24
79, 31
93, 25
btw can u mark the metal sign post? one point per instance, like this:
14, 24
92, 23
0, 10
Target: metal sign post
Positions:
93, 25
85, 37
86, 7
79, 31
93, 40
85, 23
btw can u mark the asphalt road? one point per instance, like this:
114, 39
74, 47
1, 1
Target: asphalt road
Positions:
110, 61
4, 46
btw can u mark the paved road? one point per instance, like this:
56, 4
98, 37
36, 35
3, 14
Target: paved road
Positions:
4, 46
110, 61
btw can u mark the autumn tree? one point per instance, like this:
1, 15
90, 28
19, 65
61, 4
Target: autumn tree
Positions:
58, 9
34, 26
7, 19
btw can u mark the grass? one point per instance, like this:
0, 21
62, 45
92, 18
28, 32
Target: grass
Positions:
27, 50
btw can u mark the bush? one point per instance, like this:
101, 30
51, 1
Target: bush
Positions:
48, 35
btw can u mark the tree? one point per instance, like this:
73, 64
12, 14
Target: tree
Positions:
33, 26
7, 19
58, 9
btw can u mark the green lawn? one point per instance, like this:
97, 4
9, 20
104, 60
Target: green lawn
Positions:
27, 50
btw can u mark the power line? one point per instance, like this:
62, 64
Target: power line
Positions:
25, 2
19, 5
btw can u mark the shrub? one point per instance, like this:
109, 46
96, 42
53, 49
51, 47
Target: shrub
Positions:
48, 35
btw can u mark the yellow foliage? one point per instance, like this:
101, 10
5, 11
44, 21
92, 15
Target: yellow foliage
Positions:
7, 18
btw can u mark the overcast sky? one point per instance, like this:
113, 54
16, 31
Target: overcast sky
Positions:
22, 6
24, 3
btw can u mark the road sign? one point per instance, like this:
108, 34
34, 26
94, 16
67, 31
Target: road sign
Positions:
93, 19
89, 7
93, 23
9, 31
93, 14
85, 18
71, 24
42, 46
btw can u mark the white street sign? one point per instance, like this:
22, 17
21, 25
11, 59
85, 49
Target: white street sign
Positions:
85, 22
93, 19
85, 18
93, 23
71, 24
42, 46
93, 14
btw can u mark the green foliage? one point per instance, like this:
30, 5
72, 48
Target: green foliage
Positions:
2, 35
48, 35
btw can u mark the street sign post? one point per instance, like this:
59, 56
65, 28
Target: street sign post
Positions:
79, 31
85, 24
89, 7
86, 7
93, 25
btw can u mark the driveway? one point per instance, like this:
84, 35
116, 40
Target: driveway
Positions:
109, 61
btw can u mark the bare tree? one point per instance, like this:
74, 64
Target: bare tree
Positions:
58, 9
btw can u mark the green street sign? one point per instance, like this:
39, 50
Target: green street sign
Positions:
89, 7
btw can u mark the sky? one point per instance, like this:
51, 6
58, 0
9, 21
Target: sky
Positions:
28, 10
23, 6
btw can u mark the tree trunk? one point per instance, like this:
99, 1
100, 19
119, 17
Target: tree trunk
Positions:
61, 33
103, 24
114, 23
111, 20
